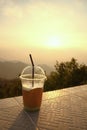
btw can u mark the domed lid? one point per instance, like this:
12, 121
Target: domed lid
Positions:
37, 70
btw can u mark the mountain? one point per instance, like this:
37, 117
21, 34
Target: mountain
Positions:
12, 69
46, 68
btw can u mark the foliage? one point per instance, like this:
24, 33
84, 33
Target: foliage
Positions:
10, 88
67, 74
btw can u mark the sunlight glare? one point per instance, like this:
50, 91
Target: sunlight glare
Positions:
53, 42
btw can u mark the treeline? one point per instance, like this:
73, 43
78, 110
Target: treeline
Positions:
10, 88
66, 74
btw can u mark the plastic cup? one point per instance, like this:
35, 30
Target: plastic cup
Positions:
32, 88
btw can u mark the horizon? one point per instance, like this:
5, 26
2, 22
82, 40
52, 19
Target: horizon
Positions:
49, 30
41, 63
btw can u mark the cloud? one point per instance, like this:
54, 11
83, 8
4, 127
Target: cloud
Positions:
11, 10
21, 8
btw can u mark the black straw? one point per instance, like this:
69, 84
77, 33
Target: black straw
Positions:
31, 60
32, 69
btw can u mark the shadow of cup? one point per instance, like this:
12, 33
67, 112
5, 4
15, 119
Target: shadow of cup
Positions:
25, 121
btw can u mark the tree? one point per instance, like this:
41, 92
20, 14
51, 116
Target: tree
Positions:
67, 74
10, 88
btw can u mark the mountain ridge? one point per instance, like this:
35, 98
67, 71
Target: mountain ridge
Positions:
12, 69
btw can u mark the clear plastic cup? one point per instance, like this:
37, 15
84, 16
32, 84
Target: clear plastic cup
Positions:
32, 87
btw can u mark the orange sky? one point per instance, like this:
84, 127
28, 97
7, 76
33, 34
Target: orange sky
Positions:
46, 29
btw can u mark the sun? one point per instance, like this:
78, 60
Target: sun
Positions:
53, 42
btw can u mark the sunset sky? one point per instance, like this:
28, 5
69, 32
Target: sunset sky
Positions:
49, 29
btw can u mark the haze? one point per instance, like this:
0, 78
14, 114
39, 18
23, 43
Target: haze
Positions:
50, 30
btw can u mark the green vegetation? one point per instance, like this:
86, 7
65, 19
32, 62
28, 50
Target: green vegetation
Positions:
66, 74
10, 88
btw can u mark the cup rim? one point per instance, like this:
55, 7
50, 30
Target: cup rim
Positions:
43, 77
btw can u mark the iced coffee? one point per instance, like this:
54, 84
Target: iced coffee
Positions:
32, 89
32, 99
